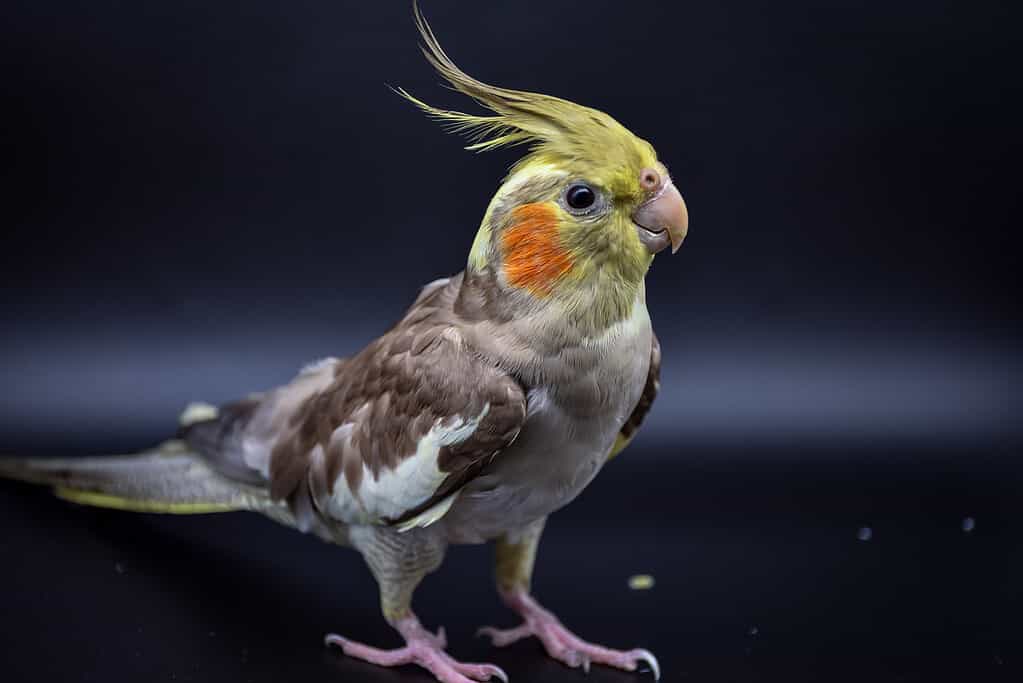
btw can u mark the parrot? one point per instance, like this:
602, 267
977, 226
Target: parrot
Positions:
492, 403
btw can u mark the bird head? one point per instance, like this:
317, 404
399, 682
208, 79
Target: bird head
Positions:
586, 208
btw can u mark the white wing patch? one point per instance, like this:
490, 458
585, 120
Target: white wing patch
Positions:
413, 481
197, 412
429, 515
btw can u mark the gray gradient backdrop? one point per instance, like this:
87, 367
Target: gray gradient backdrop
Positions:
206, 197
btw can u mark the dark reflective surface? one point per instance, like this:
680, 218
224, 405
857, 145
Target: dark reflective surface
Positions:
759, 575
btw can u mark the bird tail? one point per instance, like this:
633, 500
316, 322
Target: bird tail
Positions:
168, 479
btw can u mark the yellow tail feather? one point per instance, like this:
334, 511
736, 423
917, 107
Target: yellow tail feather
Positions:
620, 443
106, 500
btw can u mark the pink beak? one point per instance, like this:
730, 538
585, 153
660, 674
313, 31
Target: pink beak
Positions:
663, 218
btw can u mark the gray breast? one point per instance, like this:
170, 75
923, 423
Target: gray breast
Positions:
569, 430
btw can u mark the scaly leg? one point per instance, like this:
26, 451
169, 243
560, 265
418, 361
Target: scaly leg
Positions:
515, 557
399, 564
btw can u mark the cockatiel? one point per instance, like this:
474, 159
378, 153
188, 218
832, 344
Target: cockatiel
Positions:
491, 404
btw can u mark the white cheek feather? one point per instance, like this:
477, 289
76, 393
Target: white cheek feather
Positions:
529, 174
415, 479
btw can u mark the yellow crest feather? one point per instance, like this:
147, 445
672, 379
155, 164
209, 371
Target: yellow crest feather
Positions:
554, 127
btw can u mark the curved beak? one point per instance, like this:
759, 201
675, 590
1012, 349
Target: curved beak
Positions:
662, 219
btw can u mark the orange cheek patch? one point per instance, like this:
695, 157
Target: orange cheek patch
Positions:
533, 256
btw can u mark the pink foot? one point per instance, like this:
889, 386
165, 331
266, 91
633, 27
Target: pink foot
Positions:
560, 643
422, 648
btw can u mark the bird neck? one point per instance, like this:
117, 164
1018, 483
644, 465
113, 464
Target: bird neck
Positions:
587, 308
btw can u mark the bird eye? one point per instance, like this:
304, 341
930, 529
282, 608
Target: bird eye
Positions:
580, 196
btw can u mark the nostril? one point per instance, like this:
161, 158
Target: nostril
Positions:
649, 179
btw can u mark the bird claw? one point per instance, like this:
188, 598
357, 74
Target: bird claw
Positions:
494, 672
563, 645
650, 660
423, 648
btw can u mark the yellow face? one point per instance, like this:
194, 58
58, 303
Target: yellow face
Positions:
556, 225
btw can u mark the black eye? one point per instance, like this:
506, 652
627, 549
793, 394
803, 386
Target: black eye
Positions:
580, 196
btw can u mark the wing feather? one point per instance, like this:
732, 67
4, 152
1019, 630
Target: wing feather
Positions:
646, 400
388, 436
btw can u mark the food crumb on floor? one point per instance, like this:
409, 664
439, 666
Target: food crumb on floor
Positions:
641, 582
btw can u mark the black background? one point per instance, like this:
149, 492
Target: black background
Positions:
203, 196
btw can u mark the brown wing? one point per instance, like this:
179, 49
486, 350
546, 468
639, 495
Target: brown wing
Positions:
646, 400
400, 427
